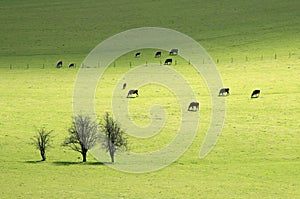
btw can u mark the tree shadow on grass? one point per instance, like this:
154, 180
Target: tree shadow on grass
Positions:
193, 110
33, 161
68, 163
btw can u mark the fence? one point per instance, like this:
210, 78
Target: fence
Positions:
218, 60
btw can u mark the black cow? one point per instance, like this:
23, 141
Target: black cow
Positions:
124, 86
138, 54
224, 92
255, 94
192, 105
168, 62
72, 65
174, 52
131, 92
157, 54
59, 64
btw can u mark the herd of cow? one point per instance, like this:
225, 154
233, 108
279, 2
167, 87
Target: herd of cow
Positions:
59, 64
225, 92
194, 106
168, 61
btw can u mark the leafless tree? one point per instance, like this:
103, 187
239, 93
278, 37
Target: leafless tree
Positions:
83, 135
42, 141
115, 138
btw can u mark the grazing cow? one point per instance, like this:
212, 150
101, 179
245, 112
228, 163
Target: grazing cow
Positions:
224, 92
59, 64
174, 52
124, 86
168, 62
157, 54
131, 92
192, 105
72, 65
138, 54
255, 94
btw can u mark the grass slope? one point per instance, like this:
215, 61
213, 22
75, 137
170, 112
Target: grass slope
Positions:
37, 32
257, 155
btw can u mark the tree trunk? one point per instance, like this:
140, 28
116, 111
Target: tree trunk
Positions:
43, 154
112, 156
83, 153
84, 156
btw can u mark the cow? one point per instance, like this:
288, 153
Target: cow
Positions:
72, 65
59, 64
138, 54
124, 86
192, 105
255, 94
131, 92
224, 92
168, 62
174, 52
157, 54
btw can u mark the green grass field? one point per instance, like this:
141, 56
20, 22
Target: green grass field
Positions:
254, 45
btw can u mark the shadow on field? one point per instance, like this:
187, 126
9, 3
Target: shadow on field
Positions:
193, 110
66, 163
34, 161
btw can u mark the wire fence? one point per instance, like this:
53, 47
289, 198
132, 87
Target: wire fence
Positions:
161, 61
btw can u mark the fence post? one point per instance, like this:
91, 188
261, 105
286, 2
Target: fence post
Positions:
275, 56
10, 67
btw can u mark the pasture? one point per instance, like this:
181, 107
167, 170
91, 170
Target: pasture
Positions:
254, 45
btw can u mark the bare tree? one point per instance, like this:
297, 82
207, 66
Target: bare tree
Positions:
42, 141
84, 134
115, 138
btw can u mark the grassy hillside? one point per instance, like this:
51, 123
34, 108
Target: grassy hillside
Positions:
43, 31
257, 154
